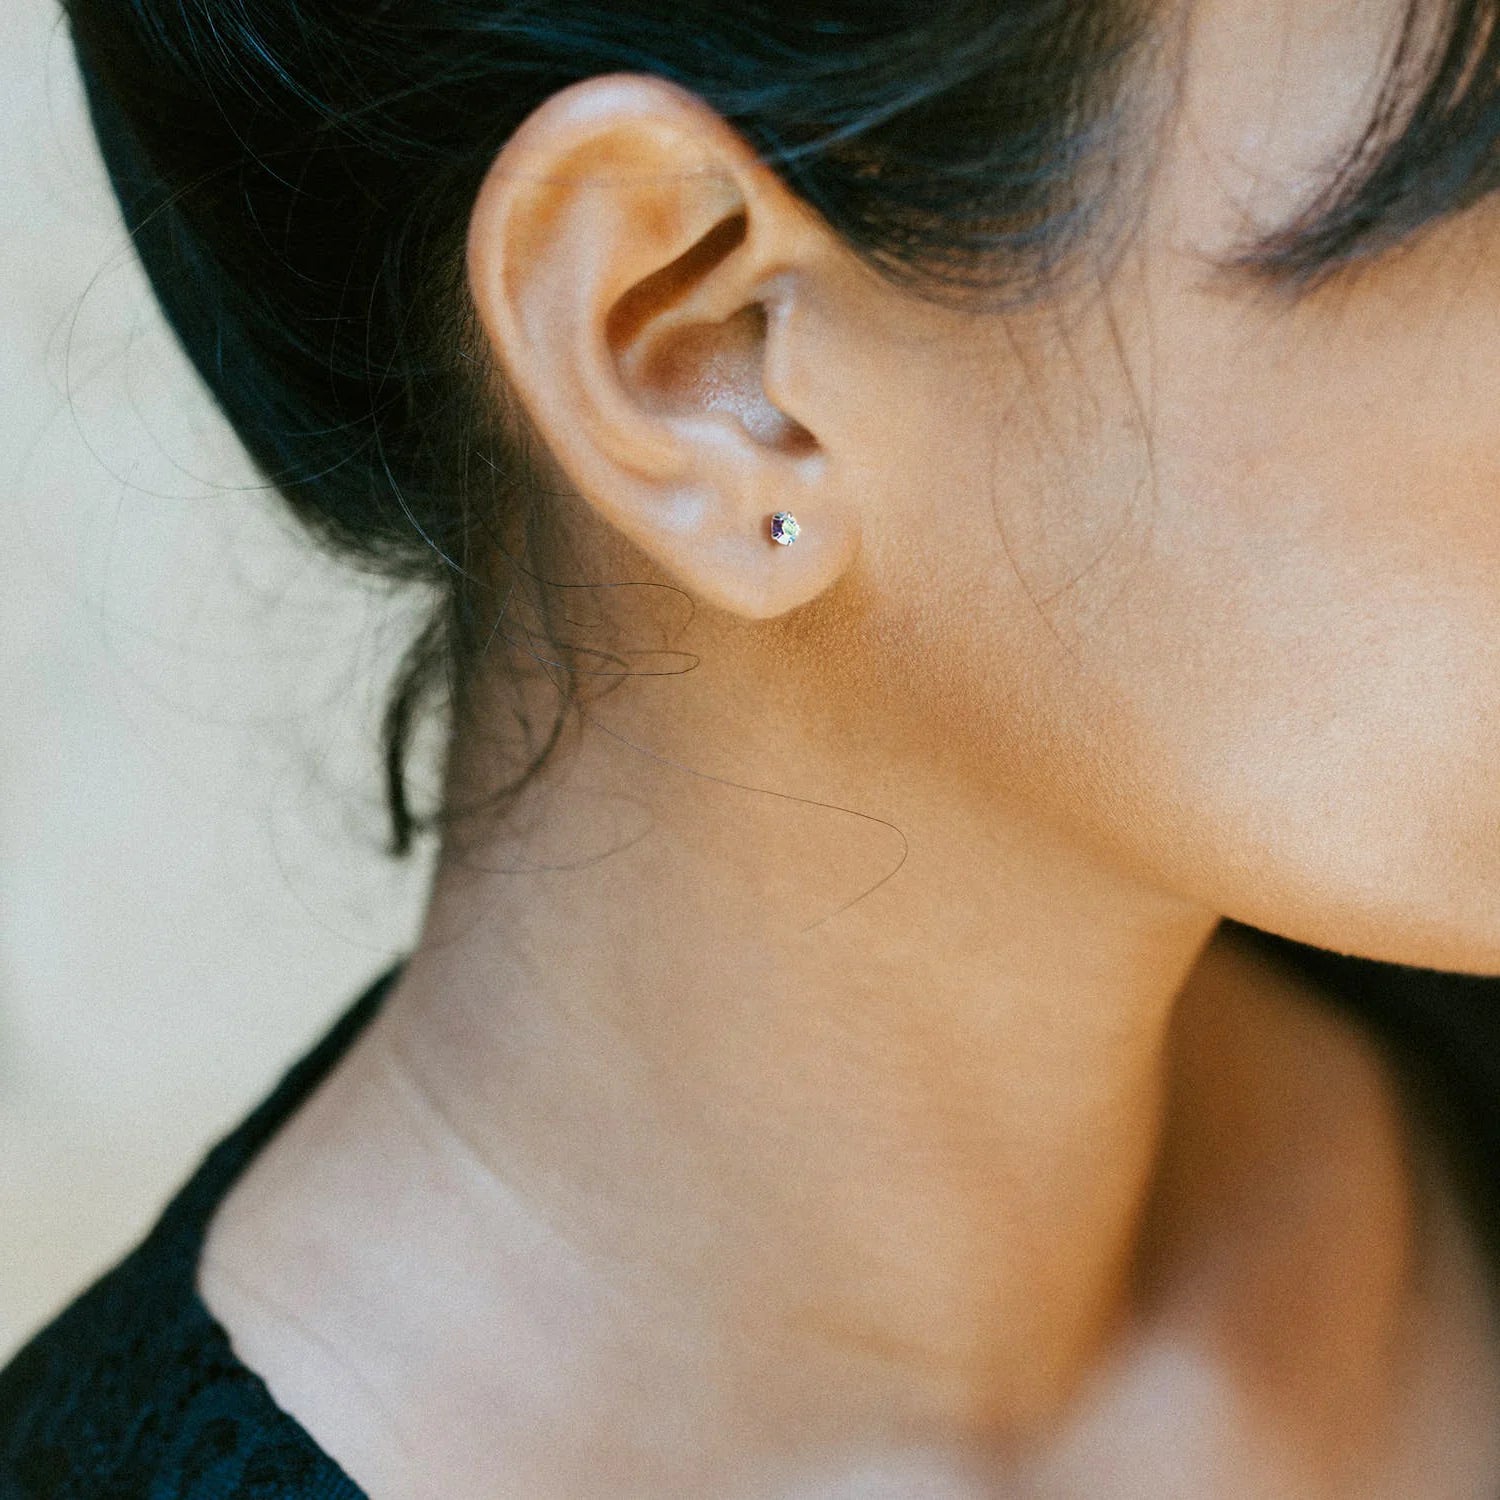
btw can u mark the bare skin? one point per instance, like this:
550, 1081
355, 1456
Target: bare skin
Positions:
1305, 1314
833, 1082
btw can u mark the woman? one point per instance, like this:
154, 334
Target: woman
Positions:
965, 555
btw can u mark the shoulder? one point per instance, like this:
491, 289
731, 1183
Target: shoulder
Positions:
132, 1390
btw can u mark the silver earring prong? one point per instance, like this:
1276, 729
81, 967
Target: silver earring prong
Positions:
784, 528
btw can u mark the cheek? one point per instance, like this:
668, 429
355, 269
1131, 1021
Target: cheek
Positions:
1243, 634
1309, 657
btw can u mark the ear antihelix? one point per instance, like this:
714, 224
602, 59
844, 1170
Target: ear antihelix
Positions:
649, 296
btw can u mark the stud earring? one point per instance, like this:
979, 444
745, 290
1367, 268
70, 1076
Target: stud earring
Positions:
784, 528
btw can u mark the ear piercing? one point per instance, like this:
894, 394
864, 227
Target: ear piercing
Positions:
784, 528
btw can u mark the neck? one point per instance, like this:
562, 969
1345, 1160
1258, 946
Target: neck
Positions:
858, 1163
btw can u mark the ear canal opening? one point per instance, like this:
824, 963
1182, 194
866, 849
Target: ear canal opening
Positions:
708, 366
720, 367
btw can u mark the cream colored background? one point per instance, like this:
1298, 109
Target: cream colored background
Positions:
190, 876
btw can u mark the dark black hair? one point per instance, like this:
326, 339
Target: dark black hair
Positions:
297, 176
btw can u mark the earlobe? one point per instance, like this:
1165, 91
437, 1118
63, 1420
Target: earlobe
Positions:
641, 279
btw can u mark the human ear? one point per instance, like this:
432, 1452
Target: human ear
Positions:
661, 306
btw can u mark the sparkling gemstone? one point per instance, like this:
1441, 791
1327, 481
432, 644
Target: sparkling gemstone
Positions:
784, 528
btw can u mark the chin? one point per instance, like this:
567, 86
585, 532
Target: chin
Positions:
1460, 935
1401, 871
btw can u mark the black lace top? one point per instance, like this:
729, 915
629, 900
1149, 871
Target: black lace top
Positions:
134, 1392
